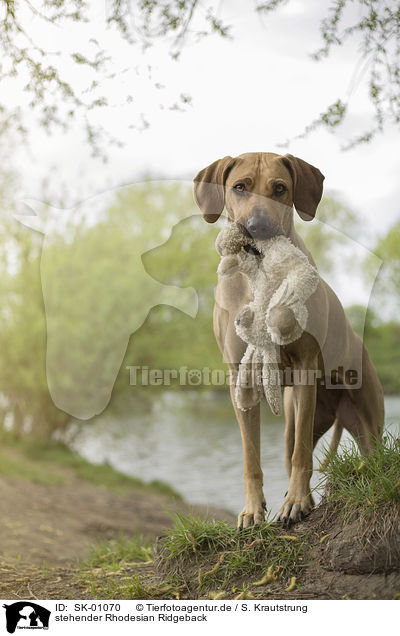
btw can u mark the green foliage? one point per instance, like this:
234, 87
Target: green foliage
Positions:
387, 287
357, 317
383, 344
375, 26
382, 332
103, 282
56, 96
365, 485
160, 18
271, 5
324, 236
102, 276
99, 292
382, 340
23, 332
170, 339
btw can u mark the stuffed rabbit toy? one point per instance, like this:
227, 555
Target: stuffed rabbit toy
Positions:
281, 279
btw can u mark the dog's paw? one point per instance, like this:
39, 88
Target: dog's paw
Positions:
228, 266
294, 509
252, 516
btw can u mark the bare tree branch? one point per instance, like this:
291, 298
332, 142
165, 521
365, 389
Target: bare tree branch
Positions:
58, 102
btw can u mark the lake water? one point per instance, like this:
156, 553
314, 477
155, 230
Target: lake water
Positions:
191, 441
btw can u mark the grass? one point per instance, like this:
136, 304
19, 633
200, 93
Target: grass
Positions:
365, 485
38, 461
110, 570
196, 557
221, 555
27, 470
122, 552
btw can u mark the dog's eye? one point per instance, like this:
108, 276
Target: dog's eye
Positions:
239, 187
280, 188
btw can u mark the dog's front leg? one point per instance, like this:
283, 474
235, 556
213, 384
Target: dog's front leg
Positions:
253, 512
298, 501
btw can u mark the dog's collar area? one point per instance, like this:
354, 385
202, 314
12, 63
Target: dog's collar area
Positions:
252, 250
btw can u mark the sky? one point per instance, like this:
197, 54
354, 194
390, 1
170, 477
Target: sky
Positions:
249, 93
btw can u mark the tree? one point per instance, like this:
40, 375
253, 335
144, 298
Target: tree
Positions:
23, 386
324, 235
382, 340
96, 280
387, 288
375, 25
51, 81
380, 327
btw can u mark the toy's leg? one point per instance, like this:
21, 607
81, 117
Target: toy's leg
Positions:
271, 379
248, 391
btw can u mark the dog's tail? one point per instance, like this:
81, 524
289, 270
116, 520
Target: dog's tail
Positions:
333, 446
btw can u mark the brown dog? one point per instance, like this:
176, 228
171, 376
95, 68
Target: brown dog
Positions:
341, 386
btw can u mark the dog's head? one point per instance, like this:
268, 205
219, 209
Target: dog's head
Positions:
259, 190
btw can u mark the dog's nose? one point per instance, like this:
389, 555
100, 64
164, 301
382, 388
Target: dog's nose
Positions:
259, 226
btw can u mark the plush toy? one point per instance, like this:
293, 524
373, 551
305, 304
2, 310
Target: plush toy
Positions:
281, 279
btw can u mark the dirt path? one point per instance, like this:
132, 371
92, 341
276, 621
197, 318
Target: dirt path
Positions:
45, 528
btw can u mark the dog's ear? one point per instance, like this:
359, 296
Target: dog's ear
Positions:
307, 186
209, 188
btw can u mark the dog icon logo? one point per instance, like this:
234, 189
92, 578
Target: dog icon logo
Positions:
26, 615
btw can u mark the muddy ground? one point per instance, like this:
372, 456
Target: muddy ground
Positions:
45, 529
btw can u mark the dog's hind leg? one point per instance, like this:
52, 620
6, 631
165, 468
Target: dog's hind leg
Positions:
357, 424
362, 409
322, 422
333, 445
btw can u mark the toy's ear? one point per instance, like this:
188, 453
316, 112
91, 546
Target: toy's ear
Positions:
307, 186
209, 188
